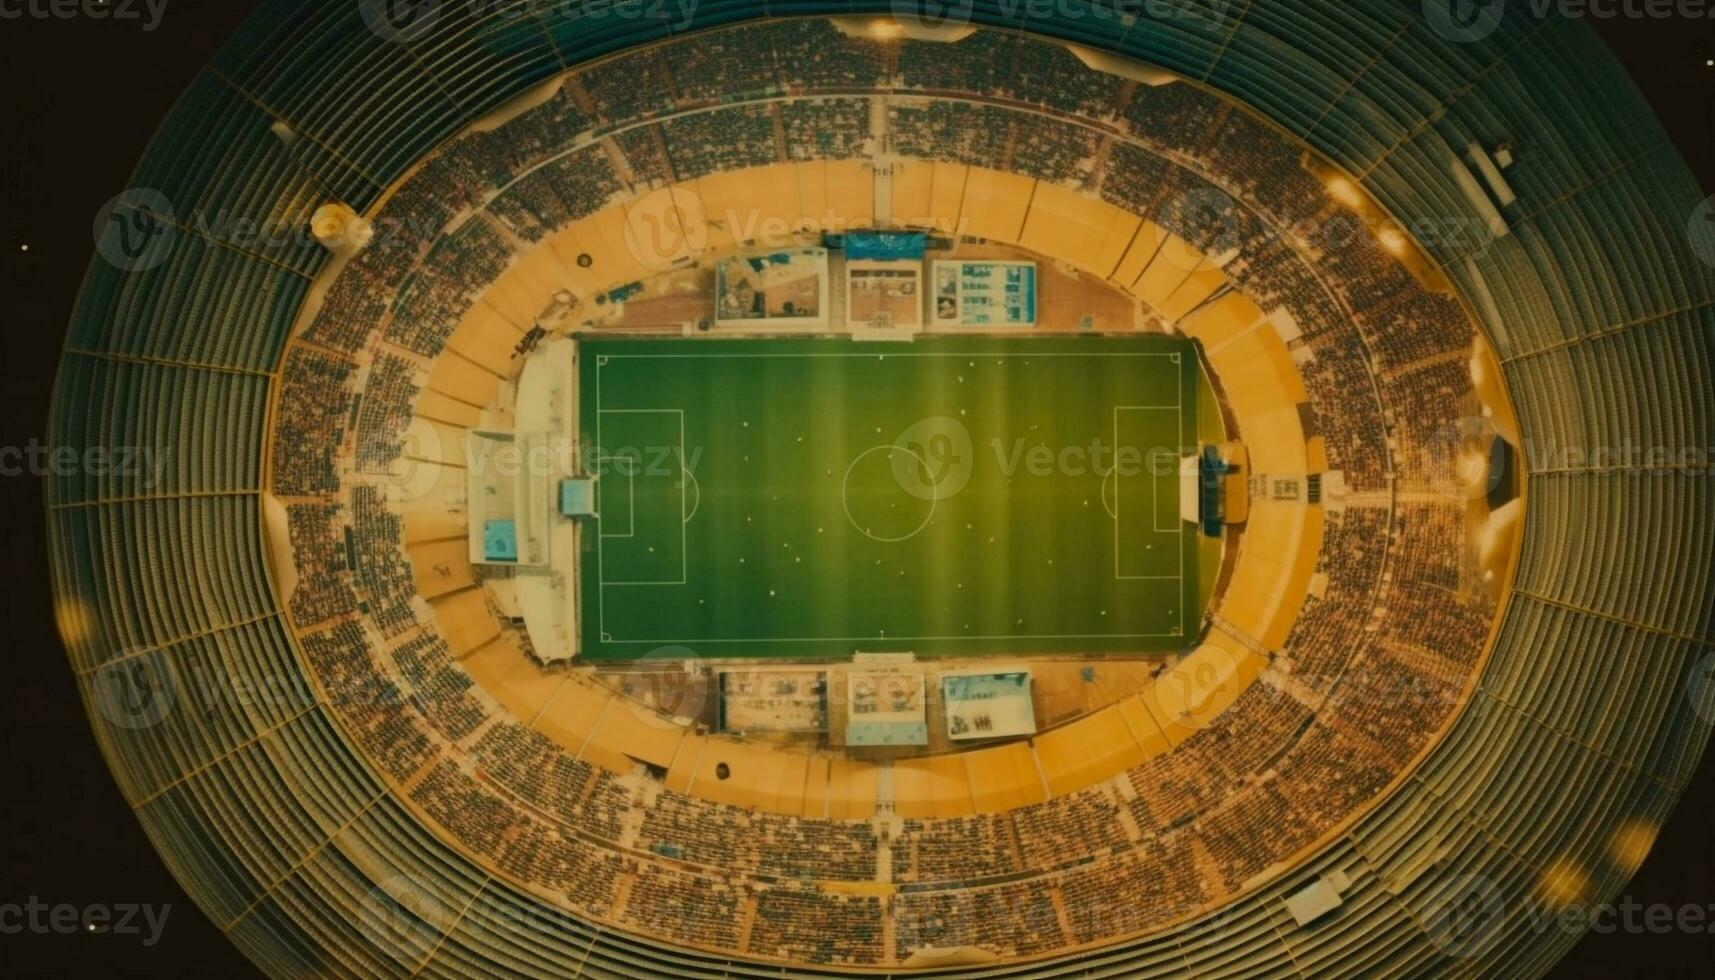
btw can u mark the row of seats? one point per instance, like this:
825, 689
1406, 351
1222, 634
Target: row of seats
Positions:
1292, 758
1581, 730
1270, 761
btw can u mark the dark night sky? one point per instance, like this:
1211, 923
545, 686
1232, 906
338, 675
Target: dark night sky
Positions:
84, 97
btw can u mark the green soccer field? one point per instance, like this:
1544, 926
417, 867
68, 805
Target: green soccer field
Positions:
951, 496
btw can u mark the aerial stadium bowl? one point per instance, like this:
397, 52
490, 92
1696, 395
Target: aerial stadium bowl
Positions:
1432, 284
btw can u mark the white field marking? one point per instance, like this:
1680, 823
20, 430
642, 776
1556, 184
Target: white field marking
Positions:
684, 553
845, 504
631, 494
891, 638
717, 355
1154, 502
685, 475
602, 360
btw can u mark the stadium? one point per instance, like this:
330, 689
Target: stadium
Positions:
822, 490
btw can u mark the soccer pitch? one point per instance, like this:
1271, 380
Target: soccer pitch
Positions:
951, 496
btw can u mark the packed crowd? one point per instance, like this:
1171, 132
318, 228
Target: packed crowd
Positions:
442, 692
318, 554
1369, 672
974, 135
560, 191
436, 296
720, 140
1057, 152
381, 572
825, 129
310, 423
372, 706
811, 926
383, 411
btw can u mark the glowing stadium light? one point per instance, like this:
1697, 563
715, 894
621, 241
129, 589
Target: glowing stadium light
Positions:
1345, 192
519, 232
885, 29
1564, 883
1631, 843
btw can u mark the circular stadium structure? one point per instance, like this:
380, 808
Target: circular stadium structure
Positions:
729, 490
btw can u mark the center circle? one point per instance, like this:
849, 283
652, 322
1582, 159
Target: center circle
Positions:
845, 493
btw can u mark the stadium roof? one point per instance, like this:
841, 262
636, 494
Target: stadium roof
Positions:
1599, 310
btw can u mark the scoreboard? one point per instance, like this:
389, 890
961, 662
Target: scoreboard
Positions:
984, 294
